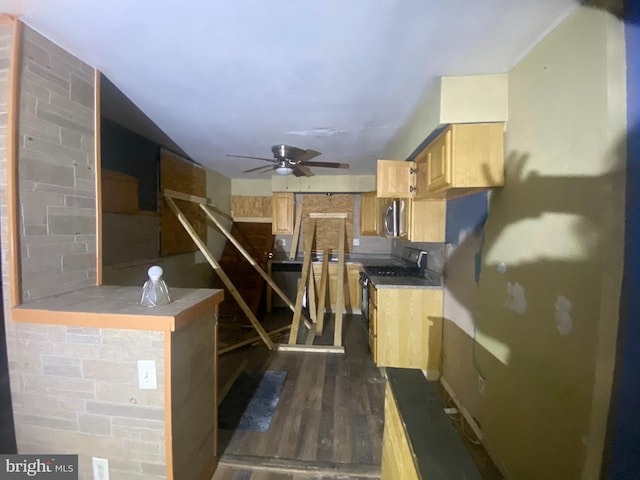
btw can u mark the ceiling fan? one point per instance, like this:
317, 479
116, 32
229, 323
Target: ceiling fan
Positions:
287, 160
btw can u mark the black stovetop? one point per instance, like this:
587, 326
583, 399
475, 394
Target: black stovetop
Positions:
392, 271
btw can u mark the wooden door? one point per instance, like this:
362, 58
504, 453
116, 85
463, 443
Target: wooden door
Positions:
394, 179
355, 289
421, 179
414, 342
426, 220
370, 212
257, 240
282, 213
439, 162
373, 324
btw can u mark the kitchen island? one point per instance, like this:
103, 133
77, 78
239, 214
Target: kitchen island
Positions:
101, 376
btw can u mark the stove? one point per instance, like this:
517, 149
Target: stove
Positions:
392, 271
413, 264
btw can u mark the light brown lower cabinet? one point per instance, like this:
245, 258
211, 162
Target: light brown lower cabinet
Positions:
397, 457
352, 289
405, 328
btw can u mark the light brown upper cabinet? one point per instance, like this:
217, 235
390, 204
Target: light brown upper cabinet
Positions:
463, 159
282, 213
370, 213
426, 220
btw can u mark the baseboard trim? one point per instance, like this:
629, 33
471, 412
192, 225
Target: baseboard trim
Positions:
465, 413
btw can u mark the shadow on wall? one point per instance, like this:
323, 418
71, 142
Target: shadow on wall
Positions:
533, 282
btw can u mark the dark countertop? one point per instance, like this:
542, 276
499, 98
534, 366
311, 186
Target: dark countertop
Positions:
438, 449
434, 280
365, 259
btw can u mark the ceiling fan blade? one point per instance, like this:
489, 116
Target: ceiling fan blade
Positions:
272, 160
261, 167
306, 156
302, 171
325, 164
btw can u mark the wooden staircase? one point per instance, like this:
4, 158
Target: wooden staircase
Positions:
258, 241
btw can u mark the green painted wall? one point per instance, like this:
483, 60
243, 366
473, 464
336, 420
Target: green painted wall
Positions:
531, 301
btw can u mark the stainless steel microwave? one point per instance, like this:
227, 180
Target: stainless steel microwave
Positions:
394, 218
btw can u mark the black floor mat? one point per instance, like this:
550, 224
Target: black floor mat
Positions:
252, 401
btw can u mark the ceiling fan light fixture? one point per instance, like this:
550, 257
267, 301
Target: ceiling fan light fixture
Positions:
283, 170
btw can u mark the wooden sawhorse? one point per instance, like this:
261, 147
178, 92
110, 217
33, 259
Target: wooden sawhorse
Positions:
317, 312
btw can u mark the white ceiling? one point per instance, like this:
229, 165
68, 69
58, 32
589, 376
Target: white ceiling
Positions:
337, 76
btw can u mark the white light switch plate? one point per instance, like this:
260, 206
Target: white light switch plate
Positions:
100, 468
147, 379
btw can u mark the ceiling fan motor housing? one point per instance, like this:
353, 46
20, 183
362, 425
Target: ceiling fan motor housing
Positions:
286, 152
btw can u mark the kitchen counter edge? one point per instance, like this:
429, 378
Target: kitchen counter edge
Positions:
118, 307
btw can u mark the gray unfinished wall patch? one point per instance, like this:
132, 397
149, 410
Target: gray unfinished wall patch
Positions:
516, 299
564, 319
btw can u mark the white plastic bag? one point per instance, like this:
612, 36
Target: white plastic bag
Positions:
155, 292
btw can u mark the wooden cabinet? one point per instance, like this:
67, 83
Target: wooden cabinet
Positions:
426, 220
397, 455
437, 156
463, 159
395, 179
373, 322
352, 288
370, 213
405, 328
282, 213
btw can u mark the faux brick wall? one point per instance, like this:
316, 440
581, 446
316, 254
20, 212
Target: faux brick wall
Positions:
56, 165
6, 38
76, 392
194, 410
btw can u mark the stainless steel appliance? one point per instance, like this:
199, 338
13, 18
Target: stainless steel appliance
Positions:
364, 306
412, 263
394, 218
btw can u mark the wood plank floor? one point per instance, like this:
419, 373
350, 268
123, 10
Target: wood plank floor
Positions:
329, 419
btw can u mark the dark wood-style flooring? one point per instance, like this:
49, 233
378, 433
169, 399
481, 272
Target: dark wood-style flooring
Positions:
330, 417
